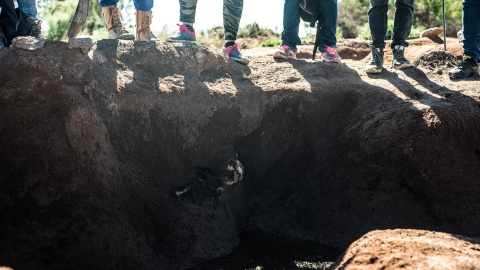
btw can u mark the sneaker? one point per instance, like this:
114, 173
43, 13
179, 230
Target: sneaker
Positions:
467, 67
376, 62
330, 55
184, 34
285, 52
399, 60
35, 26
234, 53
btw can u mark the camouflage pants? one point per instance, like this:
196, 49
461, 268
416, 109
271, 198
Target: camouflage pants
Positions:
232, 12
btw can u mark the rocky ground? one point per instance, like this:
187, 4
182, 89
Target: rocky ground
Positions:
157, 156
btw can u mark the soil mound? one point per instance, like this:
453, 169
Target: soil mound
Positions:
149, 155
411, 249
437, 61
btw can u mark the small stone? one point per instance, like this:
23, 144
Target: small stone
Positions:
292, 79
28, 43
432, 32
84, 44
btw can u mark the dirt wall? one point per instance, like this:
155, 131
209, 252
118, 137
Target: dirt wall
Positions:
95, 145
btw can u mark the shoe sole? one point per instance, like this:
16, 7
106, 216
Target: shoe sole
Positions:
182, 41
338, 61
402, 66
278, 55
241, 61
373, 70
126, 37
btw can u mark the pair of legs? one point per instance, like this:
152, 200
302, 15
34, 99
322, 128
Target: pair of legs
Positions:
471, 41
378, 21
326, 35
29, 8
113, 20
232, 13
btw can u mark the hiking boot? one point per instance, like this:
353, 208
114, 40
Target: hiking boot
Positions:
35, 26
399, 60
467, 67
376, 62
144, 20
186, 33
113, 21
234, 53
330, 55
285, 52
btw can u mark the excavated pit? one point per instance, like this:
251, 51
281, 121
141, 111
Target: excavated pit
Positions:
94, 147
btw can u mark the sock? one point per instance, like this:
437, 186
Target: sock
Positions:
189, 27
228, 44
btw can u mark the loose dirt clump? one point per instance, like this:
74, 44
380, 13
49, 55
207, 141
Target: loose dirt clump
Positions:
436, 61
411, 249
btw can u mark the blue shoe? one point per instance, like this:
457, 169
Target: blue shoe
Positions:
184, 35
234, 53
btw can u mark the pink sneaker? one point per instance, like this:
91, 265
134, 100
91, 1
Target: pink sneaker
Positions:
285, 52
330, 55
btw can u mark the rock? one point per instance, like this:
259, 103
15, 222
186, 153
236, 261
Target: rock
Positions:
28, 43
432, 32
410, 249
84, 44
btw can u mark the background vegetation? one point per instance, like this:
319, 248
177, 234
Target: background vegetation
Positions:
352, 21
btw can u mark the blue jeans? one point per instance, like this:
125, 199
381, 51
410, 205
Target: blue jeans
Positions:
471, 28
28, 7
378, 21
328, 22
144, 5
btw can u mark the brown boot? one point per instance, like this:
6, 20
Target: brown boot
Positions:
113, 20
144, 20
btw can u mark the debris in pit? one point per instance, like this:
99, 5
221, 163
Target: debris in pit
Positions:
207, 188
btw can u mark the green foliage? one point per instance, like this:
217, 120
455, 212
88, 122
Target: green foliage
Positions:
365, 32
58, 14
271, 43
254, 30
353, 15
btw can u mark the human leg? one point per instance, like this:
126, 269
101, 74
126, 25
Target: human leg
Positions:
471, 41
471, 28
188, 10
404, 10
326, 35
143, 20
113, 20
28, 7
291, 21
377, 21
232, 13
186, 32
290, 38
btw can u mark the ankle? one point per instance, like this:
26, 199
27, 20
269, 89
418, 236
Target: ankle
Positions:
228, 44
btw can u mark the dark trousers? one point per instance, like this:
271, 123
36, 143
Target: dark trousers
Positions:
378, 20
471, 28
328, 21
